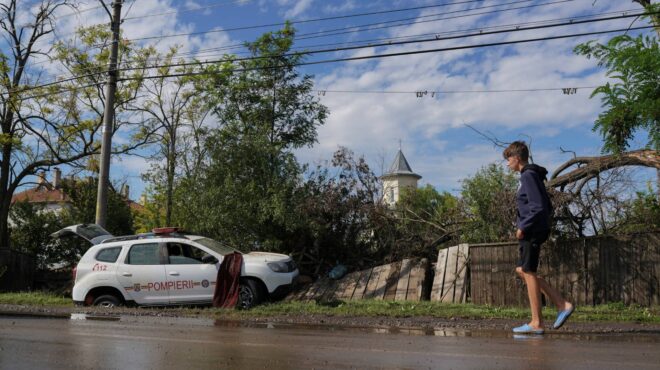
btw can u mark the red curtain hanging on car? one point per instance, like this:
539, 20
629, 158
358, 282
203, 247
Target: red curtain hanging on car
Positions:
226, 286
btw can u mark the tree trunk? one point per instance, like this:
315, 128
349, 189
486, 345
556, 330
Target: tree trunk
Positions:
5, 173
171, 162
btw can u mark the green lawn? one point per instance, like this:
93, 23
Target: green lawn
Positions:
35, 299
371, 308
608, 312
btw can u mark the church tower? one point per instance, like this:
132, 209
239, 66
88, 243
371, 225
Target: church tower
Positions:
399, 176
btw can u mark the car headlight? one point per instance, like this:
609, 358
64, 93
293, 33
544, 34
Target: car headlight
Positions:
278, 266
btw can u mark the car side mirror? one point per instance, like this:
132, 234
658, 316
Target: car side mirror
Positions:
209, 259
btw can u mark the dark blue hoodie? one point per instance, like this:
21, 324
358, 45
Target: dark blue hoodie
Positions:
534, 207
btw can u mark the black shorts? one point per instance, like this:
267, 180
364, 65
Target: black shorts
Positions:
530, 249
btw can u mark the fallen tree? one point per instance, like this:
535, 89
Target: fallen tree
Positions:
591, 167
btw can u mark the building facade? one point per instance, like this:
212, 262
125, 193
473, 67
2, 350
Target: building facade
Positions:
398, 177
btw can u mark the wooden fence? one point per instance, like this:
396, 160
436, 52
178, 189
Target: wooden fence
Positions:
589, 271
398, 281
16, 270
450, 281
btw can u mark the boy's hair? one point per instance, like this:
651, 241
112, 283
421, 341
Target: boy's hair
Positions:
517, 148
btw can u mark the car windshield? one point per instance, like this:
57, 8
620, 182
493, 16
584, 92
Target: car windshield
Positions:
216, 246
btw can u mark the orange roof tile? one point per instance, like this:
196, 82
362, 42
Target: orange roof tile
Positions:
41, 194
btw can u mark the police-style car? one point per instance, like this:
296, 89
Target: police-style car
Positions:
168, 267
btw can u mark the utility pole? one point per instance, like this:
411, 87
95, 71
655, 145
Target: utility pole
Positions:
108, 118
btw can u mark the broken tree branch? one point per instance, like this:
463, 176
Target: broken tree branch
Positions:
592, 166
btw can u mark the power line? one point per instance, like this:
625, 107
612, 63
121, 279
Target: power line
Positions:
222, 3
346, 16
395, 43
299, 37
434, 39
463, 47
414, 52
159, 37
368, 43
229, 47
423, 93
387, 24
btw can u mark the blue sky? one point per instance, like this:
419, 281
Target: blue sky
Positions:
432, 130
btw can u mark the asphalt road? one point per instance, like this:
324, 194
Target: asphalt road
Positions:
166, 343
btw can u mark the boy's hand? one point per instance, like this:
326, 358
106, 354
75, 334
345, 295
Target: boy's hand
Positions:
519, 234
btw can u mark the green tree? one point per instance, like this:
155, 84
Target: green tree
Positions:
83, 206
341, 219
426, 219
31, 229
489, 198
172, 109
32, 225
632, 102
265, 110
49, 124
643, 213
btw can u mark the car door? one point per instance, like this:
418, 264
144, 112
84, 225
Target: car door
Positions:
142, 274
191, 274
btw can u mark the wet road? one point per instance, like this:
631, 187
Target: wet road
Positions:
165, 343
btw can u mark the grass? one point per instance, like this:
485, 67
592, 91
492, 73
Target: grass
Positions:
35, 299
613, 312
607, 312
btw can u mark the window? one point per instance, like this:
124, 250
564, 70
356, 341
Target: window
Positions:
216, 246
108, 254
144, 254
184, 254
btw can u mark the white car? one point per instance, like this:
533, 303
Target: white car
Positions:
167, 267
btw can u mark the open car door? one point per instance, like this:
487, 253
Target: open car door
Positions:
93, 233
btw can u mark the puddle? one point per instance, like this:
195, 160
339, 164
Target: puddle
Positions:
84, 316
424, 331
640, 337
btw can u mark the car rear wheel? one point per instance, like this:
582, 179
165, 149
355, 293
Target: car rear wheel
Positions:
249, 294
107, 300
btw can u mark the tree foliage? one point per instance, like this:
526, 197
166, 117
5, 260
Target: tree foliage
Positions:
341, 218
32, 224
489, 198
174, 112
632, 102
265, 110
427, 219
49, 124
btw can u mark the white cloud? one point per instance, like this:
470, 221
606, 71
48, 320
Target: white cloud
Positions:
340, 8
296, 7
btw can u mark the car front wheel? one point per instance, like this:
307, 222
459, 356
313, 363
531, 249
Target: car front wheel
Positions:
249, 294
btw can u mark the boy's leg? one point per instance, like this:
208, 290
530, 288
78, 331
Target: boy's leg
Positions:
529, 260
534, 294
554, 295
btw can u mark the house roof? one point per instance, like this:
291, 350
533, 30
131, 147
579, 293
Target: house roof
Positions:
41, 194
135, 205
400, 167
46, 194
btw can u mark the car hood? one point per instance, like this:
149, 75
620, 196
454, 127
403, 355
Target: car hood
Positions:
266, 257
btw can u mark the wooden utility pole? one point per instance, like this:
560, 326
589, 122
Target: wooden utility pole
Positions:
108, 118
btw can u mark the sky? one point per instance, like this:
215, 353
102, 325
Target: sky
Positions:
378, 105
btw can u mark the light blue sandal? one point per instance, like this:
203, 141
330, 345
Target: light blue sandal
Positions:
562, 316
526, 329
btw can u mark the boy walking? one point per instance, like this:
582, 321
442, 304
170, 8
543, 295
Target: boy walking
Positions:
533, 228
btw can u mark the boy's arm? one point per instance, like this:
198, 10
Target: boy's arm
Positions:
534, 201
